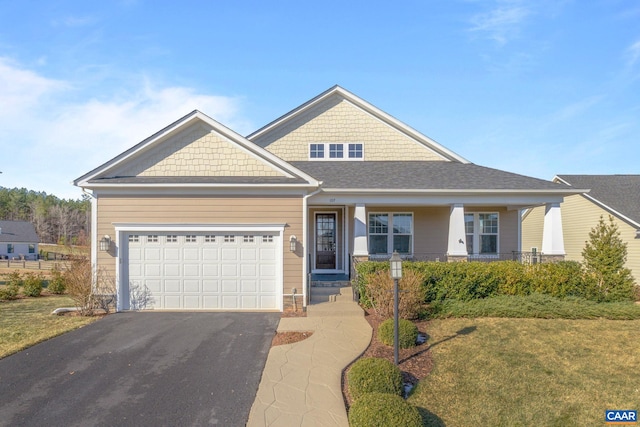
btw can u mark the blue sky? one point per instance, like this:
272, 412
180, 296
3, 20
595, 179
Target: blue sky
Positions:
533, 87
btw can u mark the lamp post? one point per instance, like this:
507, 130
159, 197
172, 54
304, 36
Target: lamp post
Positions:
396, 274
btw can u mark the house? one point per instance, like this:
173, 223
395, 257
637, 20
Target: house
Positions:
18, 240
199, 217
615, 195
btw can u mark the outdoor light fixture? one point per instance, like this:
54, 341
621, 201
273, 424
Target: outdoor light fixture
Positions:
105, 243
292, 243
396, 274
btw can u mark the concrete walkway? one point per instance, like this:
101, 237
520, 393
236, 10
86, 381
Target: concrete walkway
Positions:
301, 382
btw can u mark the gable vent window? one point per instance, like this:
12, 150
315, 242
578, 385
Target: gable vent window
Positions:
355, 151
335, 151
316, 151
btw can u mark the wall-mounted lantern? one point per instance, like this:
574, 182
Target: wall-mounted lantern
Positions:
292, 243
105, 243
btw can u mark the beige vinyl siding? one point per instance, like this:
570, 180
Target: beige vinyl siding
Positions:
579, 216
205, 210
532, 226
337, 120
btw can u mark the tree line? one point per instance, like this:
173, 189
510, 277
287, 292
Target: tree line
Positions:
61, 221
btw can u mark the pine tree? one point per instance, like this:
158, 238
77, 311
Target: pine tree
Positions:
605, 255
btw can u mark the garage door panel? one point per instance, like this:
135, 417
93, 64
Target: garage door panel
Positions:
195, 271
230, 286
191, 270
210, 286
192, 286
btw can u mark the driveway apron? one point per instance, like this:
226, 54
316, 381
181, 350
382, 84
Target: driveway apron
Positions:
141, 369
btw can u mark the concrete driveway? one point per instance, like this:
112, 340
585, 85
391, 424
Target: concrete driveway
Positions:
141, 369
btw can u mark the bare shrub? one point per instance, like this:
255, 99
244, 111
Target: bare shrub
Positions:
411, 294
88, 292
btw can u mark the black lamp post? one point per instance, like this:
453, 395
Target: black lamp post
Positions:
396, 274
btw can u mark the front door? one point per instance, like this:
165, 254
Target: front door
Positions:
326, 241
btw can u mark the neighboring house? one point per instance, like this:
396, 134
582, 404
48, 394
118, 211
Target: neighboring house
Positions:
615, 195
18, 240
199, 217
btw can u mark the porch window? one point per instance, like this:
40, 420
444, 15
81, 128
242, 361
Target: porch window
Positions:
390, 232
482, 233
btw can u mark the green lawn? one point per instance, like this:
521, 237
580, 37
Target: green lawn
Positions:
28, 321
529, 372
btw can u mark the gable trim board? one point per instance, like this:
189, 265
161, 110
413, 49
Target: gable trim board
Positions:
92, 178
370, 109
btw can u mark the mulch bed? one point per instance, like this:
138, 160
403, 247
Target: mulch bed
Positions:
415, 363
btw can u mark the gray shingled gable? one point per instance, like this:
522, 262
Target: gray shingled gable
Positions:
620, 193
18, 232
419, 175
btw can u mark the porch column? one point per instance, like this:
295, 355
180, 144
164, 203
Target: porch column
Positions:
552, 237
360, 246
457, 247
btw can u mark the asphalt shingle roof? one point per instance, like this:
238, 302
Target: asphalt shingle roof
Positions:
419, 175
18, 232
619, 192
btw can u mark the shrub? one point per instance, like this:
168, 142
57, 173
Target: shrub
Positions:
32, 285
372, 374
380, 287
383, 410
56, 284
407, 333
9, 291
86, 290
14, 279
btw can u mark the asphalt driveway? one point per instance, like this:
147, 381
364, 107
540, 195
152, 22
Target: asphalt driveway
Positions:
141, 369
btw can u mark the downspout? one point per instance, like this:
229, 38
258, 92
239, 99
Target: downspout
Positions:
305, 239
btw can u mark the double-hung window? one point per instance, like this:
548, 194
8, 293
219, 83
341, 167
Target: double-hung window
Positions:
389, 232
482, 233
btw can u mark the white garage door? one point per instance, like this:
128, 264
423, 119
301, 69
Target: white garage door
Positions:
198, 270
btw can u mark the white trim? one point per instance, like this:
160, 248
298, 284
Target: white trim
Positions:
123, 229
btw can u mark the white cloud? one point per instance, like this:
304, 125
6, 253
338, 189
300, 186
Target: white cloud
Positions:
633, 54
501, 23
53, 141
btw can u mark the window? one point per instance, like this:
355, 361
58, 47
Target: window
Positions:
247, 239
209, 239
316, 151
390, 232
32, 248
482, 233
9, 248
355, 151
267, 239
134, 238
172, 238
229, 239
190, 238
336, 151
152, 239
